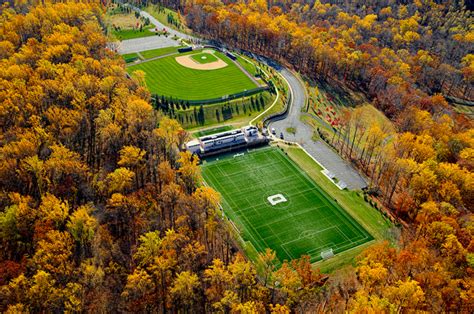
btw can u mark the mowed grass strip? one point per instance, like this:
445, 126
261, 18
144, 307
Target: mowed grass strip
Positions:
168, 78
130, 33
204, 58
307, 224
148, 54
130, 57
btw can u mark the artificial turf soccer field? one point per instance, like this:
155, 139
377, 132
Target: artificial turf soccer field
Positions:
167, 77
307, 224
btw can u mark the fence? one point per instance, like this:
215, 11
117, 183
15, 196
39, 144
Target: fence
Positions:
279, 115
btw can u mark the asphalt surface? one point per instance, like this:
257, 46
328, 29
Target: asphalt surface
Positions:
304, 133
152, 42
146, 43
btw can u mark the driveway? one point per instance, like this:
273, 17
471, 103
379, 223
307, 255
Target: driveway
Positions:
304, 133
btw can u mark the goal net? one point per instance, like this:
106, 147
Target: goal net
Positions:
327, 254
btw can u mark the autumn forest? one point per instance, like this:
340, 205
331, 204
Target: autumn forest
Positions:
102, 211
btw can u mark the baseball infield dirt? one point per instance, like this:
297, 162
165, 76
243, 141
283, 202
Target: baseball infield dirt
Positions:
188, 62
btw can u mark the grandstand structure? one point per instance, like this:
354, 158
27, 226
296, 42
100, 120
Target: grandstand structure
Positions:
245, 137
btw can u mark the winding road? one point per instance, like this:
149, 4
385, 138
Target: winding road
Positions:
328, 158
304, 133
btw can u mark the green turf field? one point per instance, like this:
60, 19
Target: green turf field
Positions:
130, 57
307, 224
125, 34
148, 54
204, 58
168, 78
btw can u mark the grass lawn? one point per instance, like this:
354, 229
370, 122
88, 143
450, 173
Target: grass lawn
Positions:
175, 21
308, 222
248, 66
237, 112
204, 58
352, 201
168, 78
148, 54
130, 33
122, 25
130, 57
213, 131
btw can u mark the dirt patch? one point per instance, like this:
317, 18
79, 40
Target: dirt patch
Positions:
188, 62
124, 20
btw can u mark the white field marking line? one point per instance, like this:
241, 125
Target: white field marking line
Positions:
344, 235
298, 144
282, 244
345, 251
282, 178
314, 233
291, 214
347, 243
346, 214
287, 217
324, 247
254, 231
251, 230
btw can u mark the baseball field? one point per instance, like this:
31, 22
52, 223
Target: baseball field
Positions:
198, 75
274, 204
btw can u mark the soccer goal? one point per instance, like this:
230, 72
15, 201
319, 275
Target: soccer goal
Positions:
327, 254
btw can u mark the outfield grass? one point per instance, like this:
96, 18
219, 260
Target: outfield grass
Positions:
204, 58
308, 223
148, 54
168, 78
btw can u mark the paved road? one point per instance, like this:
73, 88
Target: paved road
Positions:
304, 133
152, 42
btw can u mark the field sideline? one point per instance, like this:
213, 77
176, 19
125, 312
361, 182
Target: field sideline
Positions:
307, 224
168, 78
